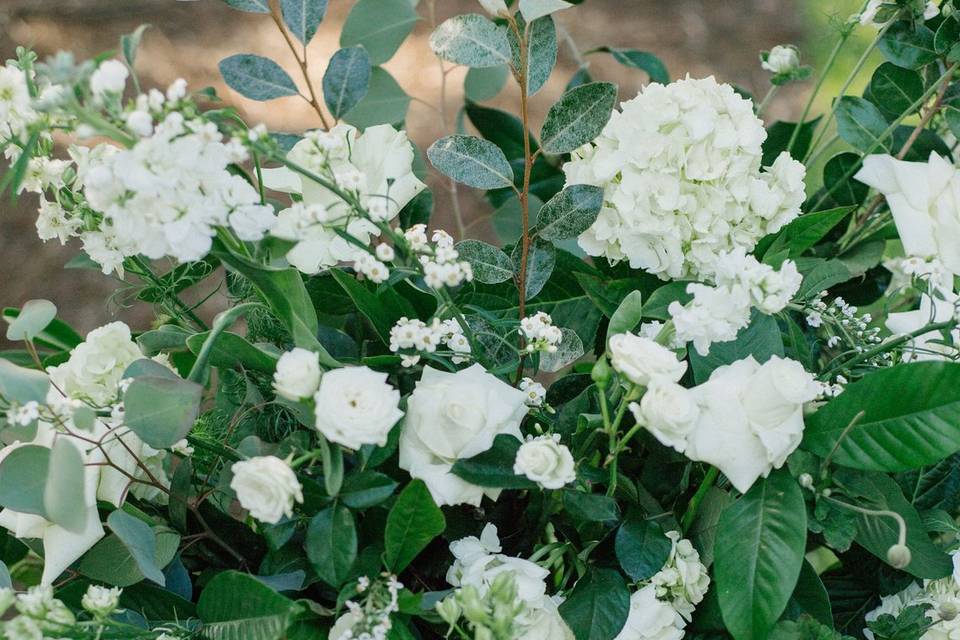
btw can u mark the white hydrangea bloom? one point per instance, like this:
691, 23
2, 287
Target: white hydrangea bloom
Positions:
681, 170
377, 165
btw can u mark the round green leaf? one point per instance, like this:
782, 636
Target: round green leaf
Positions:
34, 317
908, 45
472, 161
895, 89
161, 411
380, 26
140, 540
759, 550
485, 83
385, 102
916, 426
256, 77
346, 80
23, 479
861, 124
578, 117
21, 385
598, 606
471, 40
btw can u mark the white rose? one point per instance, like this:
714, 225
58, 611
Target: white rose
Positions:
494, 7
110, 77
96, 365
751, 418
642, 360
651, 618
297, 375
669, 412
451, 416
924, 198
782, 59
356, 406
545, 623
267, 487
545, 461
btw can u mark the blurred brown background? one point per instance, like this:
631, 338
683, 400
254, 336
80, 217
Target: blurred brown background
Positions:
188, 38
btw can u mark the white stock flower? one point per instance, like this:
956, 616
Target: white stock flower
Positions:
783, 58
16, 110
297, 375
356, 406
95, 367
669, 411
651, 618
681, 172
101, 601
924, 198
545, 461
451, 416
267, 487
109, 78
751, 417
644, 361
377, 165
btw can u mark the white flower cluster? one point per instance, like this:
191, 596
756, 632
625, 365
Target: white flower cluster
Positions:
942, 596
38, 612
840, 322
416, 335
101, 601
441, 264
477, 565
267, 487
745, 420
661, 609
353, 406
680, 168
536, 392
16, 106
93, 375
540, 334
370, 620
545, 461
451, 416
717, 313
376, 168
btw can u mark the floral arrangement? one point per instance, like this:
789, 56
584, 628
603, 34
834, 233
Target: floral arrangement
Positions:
703, 385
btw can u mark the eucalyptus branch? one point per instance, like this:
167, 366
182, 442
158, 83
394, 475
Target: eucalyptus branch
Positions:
301, 62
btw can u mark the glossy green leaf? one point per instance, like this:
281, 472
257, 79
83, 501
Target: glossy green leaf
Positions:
628, 315
641, 546
380, 26
141, 542
494, 467
332, 544
578, 117
598, 606
238, 606
916, 426
471, 40
760, 545
412, 523
779, 135
490, 264
365, 489
472, 161
231, 350
907, 45
895, 89
643, 60
590, 507
346, 80
861, 124
760, 339
838, 178
256, 77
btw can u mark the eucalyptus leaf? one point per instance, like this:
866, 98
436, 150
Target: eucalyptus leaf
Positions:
33, 318
23, 479
250, 6
471, 40
256, 77
21, 385
380, 26
472, 161
485, 83
140, 540
490, 264
64, 497
578, 117
303, 17
346, 80
161, 411
385, 103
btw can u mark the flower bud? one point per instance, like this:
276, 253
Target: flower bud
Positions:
898, 556
948, 611
601, 372
781, 59
805, 480
449, 610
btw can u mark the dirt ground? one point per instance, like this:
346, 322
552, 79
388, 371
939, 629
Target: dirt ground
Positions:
188, 38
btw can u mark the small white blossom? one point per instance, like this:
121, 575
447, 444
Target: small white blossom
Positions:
101, 601
783, 58
297, 375
267, 487
536, 392
109, 78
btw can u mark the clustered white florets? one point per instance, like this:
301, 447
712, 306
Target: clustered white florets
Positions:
441, 264
540, 334
536, 392
681, 170
419, 337
37, 612
369, 620
942, 597
742, 283
661, 609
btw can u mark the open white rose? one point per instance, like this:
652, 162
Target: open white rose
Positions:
356, 406
642, 360
452, 416
545, 461
96, 365
924, 198
267, 487
668, 411
751, 417
651, 618
297, 375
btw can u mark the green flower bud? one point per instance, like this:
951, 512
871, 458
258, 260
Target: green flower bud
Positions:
601, 372
449, 609
898, 556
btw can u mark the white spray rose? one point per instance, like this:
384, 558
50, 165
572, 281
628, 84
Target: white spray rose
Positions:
545, 461
110, 77
751, 417
683, 580
356, 406
642, 360
267, 487
668, 411
924, 198
96, 365
783, 58
297, 375
101, 601
651, 618
451, 416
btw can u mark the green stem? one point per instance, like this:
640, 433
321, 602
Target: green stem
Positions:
145, 272
221, 324
691, 513
613, 431
887, 346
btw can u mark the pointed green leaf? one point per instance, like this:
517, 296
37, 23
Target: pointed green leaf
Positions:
332, 544
412, 523
490, 264
471, 40
303, 17
472, 161
346, 80
256, 77
578, 117
570, 212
